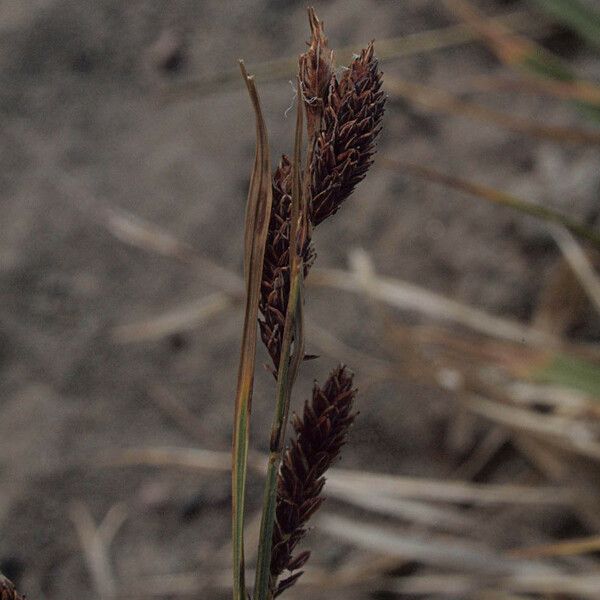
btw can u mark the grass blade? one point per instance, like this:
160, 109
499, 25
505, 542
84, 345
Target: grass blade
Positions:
257, 221
173, 321
577, 16
562, 432
582, 585
563, 548
340, 481
448, 552
497, 197
407, 296
570, 372
580, 263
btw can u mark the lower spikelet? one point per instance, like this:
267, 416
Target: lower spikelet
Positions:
320, 433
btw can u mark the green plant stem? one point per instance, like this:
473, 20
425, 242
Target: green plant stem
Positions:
287, 370
286, 375
240, 461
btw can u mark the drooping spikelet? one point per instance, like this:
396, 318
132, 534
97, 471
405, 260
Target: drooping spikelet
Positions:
275, 285
7, 590
320, 433
315, 72
345, 146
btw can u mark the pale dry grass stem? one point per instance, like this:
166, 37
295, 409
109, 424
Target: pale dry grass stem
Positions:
95, 542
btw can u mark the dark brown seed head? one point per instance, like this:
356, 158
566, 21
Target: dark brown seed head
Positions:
343, 120
345, 146
275, 285
276, 269
7, 590
320, 433
315, 70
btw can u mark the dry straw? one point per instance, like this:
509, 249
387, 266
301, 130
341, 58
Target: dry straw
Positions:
343, 119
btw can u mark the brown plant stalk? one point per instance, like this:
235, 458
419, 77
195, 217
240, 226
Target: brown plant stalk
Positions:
320, 433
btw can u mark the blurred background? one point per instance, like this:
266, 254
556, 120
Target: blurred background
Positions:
459, 283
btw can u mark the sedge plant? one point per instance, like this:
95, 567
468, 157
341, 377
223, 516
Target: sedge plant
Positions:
337, 122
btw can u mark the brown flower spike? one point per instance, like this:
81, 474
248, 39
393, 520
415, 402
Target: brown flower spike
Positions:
343, 120
275, 285
7, 590
320, 434
315, 72
346, 143
342, 154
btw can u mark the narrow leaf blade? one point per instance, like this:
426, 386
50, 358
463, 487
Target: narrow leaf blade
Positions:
257, 220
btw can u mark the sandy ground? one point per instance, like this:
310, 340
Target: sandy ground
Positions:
87, 127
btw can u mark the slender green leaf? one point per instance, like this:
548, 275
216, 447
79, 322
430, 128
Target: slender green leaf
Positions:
571, 372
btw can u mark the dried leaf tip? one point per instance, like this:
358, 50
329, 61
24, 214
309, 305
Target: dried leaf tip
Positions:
316, 71
242, 65
321, 432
